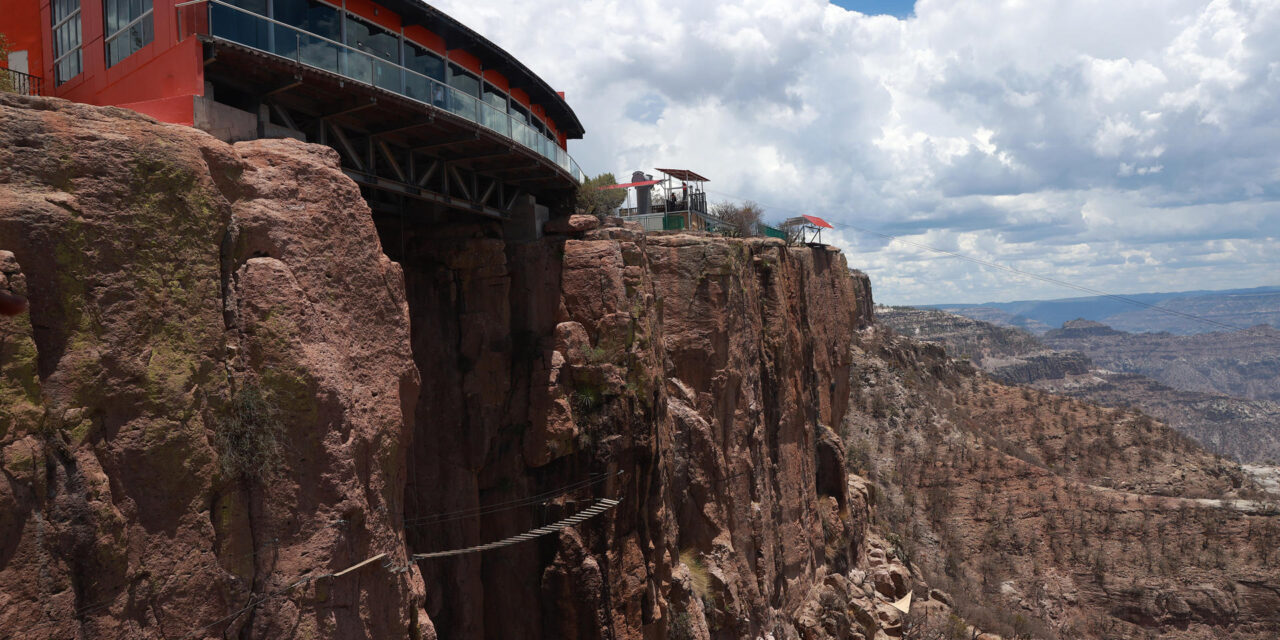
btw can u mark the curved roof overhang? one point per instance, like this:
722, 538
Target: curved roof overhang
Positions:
458, 36
377, 114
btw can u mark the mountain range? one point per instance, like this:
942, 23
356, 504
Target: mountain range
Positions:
1182, 313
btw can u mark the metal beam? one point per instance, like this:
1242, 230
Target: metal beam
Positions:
519, 167
360, 107
445, 143
431, 170
511, 202
401, 129
423, 194
537, 179
484, 197
346, 145
460, 182
297, 81
485, 156
284, 116
391, 159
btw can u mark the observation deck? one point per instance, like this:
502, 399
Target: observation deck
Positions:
428, 110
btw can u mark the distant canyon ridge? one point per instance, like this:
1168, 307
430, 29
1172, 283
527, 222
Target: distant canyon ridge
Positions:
1220, 388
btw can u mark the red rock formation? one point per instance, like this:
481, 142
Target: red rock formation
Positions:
682, 362
207, 402
224, 393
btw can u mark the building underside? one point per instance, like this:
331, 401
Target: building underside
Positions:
411, 160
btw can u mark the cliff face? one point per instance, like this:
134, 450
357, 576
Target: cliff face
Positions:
228, 413
225, 395
698, 374
1047, 516
206, 406
1243, 364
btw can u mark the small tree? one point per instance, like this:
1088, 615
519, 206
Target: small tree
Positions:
741, 220
599, 202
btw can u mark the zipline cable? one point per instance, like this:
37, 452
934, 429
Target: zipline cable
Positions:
518, 503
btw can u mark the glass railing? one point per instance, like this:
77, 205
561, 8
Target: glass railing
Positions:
250, 29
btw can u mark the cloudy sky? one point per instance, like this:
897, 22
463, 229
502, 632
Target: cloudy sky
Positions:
1124, 145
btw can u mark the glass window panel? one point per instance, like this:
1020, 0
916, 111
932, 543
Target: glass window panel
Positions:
310, 15
308, 49
238, 26
257, 6
124, 38
66, 40
423, 61
518, 113
373, 39
386, 76
64, 8
495, 97
463, 81
111, 17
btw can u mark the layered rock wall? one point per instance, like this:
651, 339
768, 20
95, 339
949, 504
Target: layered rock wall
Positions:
697, 374
205, 411
225, 394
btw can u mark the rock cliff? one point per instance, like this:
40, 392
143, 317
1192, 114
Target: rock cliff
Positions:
1243, 364
205, 410
225, 395
240, 402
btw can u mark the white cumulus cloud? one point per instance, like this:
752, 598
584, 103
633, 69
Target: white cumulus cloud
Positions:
1125, 146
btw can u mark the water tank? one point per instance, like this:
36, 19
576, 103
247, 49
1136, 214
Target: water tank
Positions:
642, 193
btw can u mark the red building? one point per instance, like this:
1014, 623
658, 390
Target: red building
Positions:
426, 114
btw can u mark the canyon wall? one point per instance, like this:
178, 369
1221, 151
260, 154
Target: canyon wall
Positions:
240, 403
205, 410
225, 396
699, 375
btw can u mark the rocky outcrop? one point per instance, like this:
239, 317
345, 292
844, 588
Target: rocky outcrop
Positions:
228, 414
214, 406
206, 407
695, 372
1043, 516
1045, 365
1243, 364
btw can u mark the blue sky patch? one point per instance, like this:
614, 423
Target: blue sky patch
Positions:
895, 8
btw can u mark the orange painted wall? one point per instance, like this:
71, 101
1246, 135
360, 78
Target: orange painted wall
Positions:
20, 24
464, 60
497, 79
375, 13
161, 71
425, 38
160, 78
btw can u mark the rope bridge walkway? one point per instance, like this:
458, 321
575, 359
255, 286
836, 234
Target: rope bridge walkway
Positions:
257, 599
602, 505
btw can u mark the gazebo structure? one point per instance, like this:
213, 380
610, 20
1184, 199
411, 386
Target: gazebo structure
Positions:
677, 201
805, 229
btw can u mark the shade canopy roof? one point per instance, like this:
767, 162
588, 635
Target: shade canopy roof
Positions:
818, 222
642, 183
684, 174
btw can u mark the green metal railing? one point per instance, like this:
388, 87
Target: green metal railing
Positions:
771, 232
